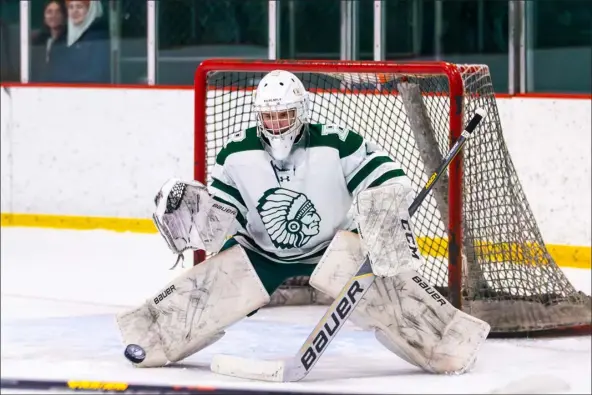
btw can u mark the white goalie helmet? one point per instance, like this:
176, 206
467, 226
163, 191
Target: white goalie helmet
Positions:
281, 105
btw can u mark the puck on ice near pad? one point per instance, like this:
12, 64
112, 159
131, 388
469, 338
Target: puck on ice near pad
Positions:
134, 353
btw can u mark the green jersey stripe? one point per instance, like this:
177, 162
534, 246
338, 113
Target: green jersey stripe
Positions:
377, 173
227, 189
366, 170
389, 175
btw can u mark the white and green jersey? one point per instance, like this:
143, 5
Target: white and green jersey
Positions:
290, 210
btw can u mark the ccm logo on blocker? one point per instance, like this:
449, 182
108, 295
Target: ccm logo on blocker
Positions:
410, 239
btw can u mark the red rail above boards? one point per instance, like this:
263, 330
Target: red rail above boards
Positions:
529, 95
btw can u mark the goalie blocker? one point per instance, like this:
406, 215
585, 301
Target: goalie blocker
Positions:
409, 317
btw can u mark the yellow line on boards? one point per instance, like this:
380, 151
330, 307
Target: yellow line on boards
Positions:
578, 257
564, 255
134, 225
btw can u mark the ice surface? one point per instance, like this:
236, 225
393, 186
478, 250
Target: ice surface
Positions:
61, 289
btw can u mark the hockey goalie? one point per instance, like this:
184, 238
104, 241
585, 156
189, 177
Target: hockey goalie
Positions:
293, 198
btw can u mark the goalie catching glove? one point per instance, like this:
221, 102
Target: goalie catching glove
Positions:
188, 217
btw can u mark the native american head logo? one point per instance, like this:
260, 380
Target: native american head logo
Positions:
289, 217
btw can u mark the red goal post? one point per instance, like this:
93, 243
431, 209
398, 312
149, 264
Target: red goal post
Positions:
482, 243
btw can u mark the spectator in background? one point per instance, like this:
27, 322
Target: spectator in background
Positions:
84, 56
43, 40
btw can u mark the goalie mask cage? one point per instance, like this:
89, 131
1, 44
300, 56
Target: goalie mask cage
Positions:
476, 231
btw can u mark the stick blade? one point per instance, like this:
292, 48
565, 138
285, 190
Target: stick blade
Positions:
247, 368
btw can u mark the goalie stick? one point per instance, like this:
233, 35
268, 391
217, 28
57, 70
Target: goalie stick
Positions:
297, 367
119, 387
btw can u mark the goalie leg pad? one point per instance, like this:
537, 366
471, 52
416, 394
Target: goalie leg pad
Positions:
409, 316
192, 311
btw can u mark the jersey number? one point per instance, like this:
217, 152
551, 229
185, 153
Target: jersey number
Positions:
236, 137
340, 131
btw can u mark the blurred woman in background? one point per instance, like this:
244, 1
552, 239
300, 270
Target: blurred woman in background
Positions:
43, 40
84, 56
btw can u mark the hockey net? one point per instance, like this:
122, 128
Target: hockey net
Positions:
476, 231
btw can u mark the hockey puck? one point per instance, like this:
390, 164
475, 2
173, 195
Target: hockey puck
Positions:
134, 353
